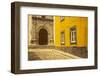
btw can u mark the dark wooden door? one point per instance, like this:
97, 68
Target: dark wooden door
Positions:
43, 37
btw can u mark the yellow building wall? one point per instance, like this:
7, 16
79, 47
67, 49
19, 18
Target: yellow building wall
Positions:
81, 24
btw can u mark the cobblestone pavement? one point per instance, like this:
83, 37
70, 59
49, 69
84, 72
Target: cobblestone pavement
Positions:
49, 54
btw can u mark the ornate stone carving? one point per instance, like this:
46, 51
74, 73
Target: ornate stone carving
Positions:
42, 24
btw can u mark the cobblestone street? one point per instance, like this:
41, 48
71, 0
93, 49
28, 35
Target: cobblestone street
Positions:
49, 54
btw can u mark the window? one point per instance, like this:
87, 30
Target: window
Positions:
73, 35
61, 18
62, 38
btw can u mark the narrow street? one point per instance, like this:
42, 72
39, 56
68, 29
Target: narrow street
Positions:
49, 54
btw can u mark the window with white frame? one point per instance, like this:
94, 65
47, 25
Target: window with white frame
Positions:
62, 38
73, 35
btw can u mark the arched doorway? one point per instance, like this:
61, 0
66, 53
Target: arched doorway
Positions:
43, 37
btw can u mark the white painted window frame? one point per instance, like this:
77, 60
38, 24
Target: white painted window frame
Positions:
73, 36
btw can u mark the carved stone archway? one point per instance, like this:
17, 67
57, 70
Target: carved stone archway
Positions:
39, 23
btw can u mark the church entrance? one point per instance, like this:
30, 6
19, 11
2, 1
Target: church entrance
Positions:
43, 37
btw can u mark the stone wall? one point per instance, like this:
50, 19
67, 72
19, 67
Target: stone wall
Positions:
78, 51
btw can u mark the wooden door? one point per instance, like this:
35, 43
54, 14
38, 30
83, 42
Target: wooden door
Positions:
43, 37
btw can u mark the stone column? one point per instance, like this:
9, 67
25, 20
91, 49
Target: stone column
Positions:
33, 30
52, 35
29, 29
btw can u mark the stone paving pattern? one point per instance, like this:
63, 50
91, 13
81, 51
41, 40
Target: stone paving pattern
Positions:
49, 54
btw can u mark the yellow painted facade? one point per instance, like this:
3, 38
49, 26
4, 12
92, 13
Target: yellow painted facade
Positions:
81, 25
